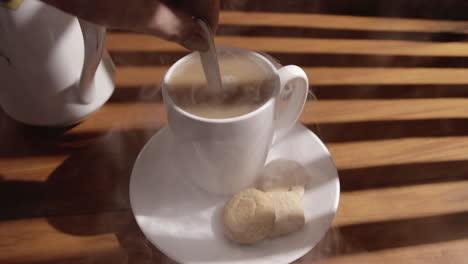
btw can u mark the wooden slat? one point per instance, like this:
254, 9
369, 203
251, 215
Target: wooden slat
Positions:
347, 155
128, 76
148, 116
116, 117
328, 252
122, 131
341, 22
114, 237
32, 168
108, 237
36, 241
326, 111
131, 76
79, 179
76, 176
384, 76
398, 151
136, 42
395, 203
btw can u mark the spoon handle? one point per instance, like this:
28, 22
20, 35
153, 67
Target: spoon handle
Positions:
209, 61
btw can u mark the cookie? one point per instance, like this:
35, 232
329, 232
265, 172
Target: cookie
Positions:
289, 209
283, 173
249, 216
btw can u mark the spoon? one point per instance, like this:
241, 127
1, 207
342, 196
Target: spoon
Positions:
209, 61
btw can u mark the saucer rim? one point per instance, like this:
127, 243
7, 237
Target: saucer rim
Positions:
335, 180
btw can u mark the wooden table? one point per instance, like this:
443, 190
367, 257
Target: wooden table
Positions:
392, 109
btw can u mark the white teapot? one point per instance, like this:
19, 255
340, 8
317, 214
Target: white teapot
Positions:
52, 68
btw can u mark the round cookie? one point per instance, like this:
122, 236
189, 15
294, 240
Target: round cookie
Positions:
249, 216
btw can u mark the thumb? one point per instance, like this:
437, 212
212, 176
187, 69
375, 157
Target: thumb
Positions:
174, 25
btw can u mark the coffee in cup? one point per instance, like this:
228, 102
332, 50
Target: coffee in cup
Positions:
247, 83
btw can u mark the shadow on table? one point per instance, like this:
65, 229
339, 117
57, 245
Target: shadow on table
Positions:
390, 234
93, 175
312, 59
22, 141
390, 129
402, 175
92, 183
395, 175
136, 93
339, 241
392, 91
450, 9
334, 33
133, 246
93, 178
138, 248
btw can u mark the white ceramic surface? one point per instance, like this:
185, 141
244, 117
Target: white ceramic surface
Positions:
226, 155
54, 74
209, 61
183, 221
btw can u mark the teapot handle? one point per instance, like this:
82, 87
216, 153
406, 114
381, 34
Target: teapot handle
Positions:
93, 38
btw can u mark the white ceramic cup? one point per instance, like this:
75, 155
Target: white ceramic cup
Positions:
224, 156
52, 69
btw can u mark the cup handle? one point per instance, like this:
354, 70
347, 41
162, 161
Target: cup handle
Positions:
93, 39
291, 99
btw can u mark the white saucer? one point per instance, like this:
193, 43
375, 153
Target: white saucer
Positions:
185, 223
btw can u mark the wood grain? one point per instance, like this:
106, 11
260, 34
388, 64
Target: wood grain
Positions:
393, 113
397, 151
398, 109
122, 242
131, 76
393, 203
149, 116
331, 248
36, 241
341, 22
120, 42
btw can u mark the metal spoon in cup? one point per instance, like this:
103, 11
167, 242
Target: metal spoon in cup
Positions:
209, 60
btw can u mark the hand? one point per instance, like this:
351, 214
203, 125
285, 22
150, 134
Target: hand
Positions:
173, 20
